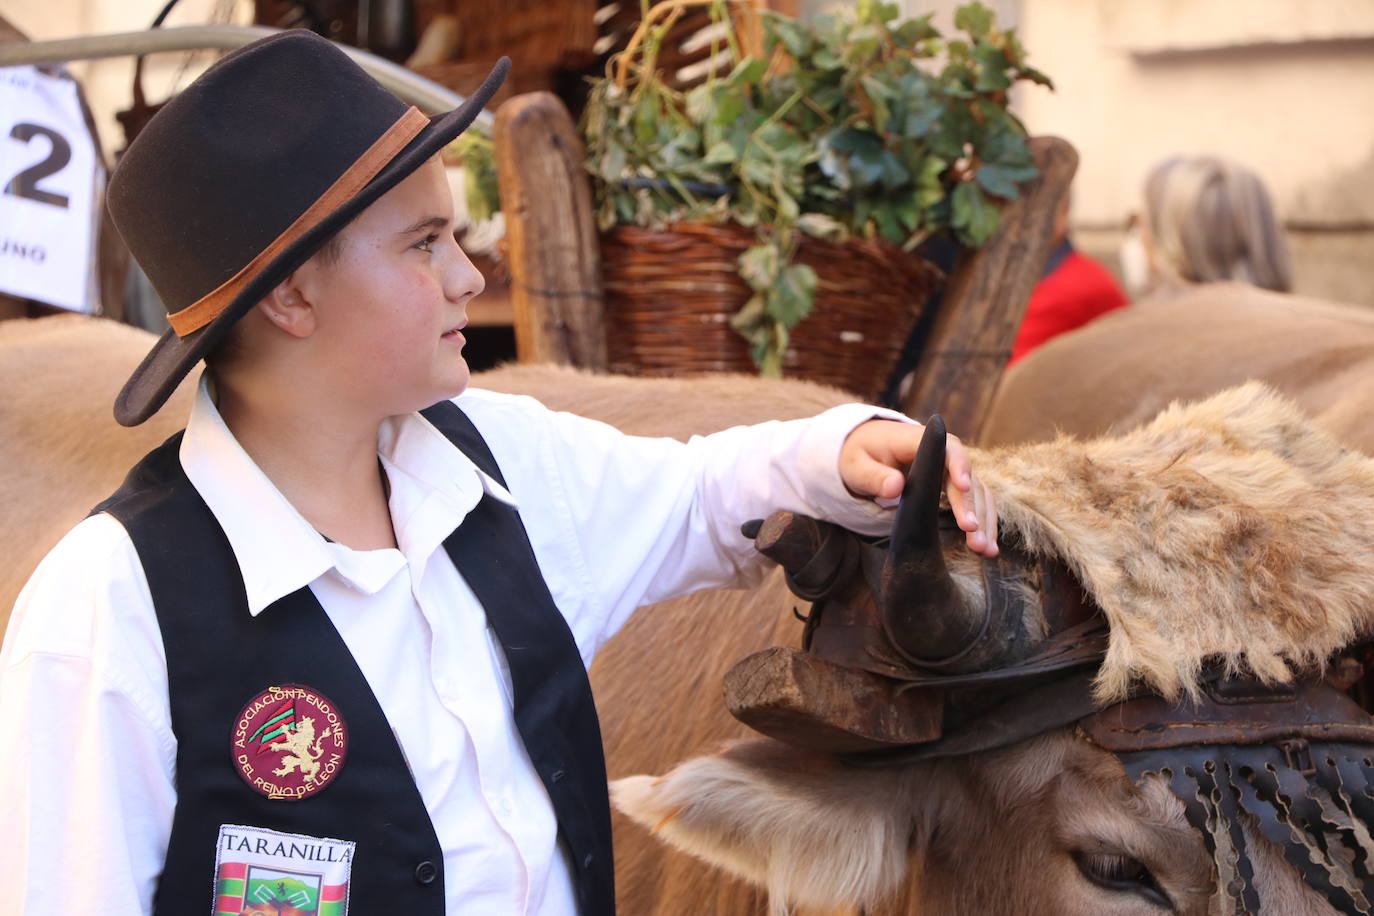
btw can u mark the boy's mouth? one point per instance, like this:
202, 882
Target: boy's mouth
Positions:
454, 332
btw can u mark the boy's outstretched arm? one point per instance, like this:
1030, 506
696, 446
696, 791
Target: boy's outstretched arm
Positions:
874, 460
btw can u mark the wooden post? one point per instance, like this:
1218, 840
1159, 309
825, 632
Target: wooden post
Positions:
552, 245
985, 300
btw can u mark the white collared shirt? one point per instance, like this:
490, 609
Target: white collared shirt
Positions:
87, 776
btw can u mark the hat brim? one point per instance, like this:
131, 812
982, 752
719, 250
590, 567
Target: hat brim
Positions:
172, 357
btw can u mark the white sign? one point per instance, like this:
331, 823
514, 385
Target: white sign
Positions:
51, 176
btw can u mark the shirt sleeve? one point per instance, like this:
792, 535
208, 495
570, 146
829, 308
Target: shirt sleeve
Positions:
87, 775
656, 518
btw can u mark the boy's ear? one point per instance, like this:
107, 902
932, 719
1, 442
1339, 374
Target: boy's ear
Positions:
288, 309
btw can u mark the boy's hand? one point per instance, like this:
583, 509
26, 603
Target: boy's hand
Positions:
874, 460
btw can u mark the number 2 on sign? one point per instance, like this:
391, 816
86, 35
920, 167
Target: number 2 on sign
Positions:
25, 184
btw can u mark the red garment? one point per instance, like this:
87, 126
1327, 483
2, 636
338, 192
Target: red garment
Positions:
1074, 293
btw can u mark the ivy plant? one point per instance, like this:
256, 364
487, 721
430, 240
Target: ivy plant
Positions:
843, 126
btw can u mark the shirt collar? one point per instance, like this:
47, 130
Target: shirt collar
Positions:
433, 487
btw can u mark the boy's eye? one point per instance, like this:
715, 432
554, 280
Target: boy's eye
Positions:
427, 243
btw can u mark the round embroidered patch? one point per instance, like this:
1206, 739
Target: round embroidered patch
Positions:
289, 742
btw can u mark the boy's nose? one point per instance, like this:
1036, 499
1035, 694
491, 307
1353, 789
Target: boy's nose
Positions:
462, 279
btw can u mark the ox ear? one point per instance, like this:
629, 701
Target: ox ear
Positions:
811, 831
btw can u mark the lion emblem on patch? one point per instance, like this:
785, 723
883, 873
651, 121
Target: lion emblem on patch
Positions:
289, 742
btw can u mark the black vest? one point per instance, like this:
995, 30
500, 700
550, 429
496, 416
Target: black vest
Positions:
219, 657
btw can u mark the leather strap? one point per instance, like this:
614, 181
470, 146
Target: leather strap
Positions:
1232, 711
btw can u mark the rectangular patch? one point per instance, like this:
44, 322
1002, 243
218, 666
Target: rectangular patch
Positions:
262, 872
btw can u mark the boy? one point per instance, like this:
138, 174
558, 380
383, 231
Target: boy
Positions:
310, 655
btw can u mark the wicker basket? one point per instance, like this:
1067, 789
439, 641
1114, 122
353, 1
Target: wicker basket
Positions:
670, 296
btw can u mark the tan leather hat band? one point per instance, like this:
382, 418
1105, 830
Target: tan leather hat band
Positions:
201, 312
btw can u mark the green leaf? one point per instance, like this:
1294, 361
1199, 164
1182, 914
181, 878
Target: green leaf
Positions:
873, 11
1002, 140
1035, 76
879, 93
894, 170
822, 226
915, 30
613, 162
973, 214
787, 204
865, 41
1001, 180
974, 18
957, 127
826, 59
852, 157
853, 140
992, 68
747, 72
793, 296
919, 109
722, 152
929, 189
759, 173
791, 32
647, 120
889, 226
828, 98
759, 266
749, 315
699, 103
908, 213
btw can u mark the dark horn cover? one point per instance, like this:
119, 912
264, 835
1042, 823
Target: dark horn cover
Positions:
925, 615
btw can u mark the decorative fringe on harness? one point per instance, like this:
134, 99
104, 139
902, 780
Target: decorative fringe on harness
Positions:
1315, 801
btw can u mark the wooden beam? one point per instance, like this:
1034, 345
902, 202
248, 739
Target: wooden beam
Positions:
553, 247
985, 300
802, 699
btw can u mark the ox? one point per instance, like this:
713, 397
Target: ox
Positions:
1049, 825
1122, 369
1229, 535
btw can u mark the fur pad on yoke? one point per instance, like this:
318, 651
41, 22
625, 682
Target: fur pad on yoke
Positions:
1230, 529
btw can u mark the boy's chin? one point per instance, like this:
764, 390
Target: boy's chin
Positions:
456, 383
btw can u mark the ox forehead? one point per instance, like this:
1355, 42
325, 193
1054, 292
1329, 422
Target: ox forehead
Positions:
988, 653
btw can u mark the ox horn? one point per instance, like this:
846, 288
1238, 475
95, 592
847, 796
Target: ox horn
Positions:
927, 617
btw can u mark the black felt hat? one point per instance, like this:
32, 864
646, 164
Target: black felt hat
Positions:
249, 171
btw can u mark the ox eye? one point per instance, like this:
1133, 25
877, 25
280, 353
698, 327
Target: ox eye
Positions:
1121, 874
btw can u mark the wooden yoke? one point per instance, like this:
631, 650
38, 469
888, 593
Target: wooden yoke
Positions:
985, 300
552, 245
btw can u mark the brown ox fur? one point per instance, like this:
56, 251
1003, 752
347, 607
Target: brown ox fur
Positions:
61, 451
1230, 529
1121, 370
989, 834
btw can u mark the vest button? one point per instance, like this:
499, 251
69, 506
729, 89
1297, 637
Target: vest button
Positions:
426, 872
587, 862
